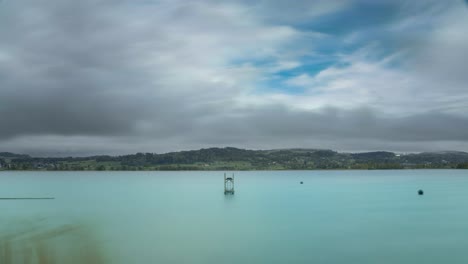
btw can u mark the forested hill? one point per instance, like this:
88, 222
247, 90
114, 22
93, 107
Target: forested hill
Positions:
241, 159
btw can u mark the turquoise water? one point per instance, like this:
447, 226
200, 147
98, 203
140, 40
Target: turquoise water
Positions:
184, 217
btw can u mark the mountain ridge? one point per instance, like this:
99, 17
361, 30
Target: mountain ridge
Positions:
230, 158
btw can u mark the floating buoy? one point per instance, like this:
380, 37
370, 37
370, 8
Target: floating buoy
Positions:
302, 182
420, 192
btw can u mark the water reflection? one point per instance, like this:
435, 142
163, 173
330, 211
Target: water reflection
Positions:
229, 197
70, 244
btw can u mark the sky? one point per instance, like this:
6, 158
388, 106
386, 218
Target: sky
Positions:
115, 77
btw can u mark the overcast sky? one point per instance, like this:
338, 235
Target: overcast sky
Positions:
124, 76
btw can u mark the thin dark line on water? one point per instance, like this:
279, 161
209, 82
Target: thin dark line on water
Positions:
27, 198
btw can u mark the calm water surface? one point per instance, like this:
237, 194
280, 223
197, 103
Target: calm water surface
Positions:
184, 217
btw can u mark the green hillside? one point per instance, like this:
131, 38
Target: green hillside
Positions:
240, 159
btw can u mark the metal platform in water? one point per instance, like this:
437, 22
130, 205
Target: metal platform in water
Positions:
228, 184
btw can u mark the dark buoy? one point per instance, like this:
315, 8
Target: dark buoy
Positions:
420, 192
302, 182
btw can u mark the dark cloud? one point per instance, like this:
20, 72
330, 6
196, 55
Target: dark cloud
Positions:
278, 123
69, 68
59, 75
275, 127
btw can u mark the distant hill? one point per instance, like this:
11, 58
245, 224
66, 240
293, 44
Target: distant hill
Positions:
242, 159
12, 155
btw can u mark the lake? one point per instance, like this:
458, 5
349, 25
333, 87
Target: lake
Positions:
184, 217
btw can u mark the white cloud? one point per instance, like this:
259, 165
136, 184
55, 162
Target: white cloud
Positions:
125, 76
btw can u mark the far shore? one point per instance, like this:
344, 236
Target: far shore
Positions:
235, 159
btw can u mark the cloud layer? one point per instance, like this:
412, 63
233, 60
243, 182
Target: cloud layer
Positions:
114, 77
